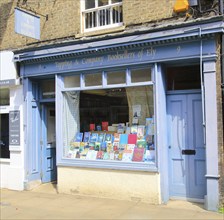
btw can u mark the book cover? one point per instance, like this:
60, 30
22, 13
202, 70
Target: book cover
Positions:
121, 128
97, 146
92, 127
149, 155
115, 146
116, 155
78, 137
86, 137
93, 137
108, 138
128, 130
116, 137
105, 125
141, 144
127, 155
138, 154
123, 139
103, 146
131, 146
109, 147
141, 132
101, 137
98, 128
100, 155
91, 155
75, 145
111, 155
92, 145
122, 146
149, 126
134, 129
84, 153
132, 138
106, 156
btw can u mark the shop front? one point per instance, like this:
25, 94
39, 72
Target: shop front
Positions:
125, 118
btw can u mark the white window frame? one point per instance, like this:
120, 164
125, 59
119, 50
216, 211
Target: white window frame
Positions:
97, 9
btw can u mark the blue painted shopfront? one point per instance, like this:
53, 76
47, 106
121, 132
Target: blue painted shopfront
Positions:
196, 45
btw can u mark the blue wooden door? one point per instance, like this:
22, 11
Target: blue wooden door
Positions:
48, 148
186, 148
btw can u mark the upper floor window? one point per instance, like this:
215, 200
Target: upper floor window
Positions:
99, 14
4, 97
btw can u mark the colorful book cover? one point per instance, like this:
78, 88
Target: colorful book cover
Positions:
149, 126
105, 125
91, 155
132, 138
141, 132
121, 128
141, 144
92, 127
115, 146
84, 153
103, 146
86, 136
134, 129
97, 146
127, 155
111, 155
108, 138
78, 137
120, 155
116, 137
98, 128
101, 137
109, 147
75, 145
106, 156
122, 146
116, 155
131, 146
93, 137
149, 155
123, 139
138, 154
92, 145
100, 155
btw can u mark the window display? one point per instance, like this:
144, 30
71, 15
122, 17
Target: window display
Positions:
110, 125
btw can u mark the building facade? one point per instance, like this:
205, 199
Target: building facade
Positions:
140, 85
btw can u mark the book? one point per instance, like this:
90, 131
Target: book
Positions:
120, 128
105, 125
149, 126
91, 155
127, 155
122, 146
134, 129
138, 154
109, 147
132, 138
91, 145
100, 155
141, 144
111, 155
98, 128
103, 146
97, 146
116, 137
75, 145
78, 137
86, 137
131, 146
84, 153
128, 130
93, 137
149, 155
106, 156
92, 127
141, 132
116, 155
123, 139
108, 138
115, 146
101, 137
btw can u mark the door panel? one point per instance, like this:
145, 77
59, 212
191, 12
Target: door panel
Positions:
186, 148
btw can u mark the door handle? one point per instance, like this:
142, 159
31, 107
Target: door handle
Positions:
189, 152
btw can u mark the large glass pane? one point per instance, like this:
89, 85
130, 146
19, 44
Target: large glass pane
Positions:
4, 136
89, 4
141, 75
48, 89
72, 81
116, 78
4, 96
93, 79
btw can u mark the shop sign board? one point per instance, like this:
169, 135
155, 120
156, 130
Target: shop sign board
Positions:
8, 82
14, 127
27, 24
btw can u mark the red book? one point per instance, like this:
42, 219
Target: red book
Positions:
105, 125
92, 127
132, 138
138, 154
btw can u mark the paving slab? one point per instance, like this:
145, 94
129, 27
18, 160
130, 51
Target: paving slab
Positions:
45, 202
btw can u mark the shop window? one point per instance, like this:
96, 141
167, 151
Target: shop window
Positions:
110, 125
116, 78
184, 77
102, 13
4, 97
93, 79
140, 75
4, 136
72, 81
48, 89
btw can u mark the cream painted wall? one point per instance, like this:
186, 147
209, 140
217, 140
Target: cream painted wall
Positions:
122, 185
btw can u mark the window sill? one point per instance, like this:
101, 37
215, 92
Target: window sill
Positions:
114, 165
4, 160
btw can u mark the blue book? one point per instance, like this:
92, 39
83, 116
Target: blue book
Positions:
86, 136
101, 137
123, 139
108, 138
93, 137
78, 137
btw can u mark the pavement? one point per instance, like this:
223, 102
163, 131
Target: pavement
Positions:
45, 203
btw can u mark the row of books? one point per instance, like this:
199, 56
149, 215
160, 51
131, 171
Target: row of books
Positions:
101, 152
